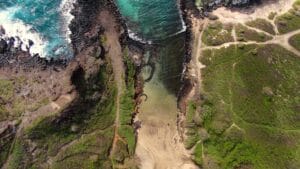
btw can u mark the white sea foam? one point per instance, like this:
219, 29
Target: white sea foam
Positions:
181, 17
135, 37
21, 32
65, 9
132, 35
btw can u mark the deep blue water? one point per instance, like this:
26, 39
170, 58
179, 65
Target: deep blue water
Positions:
43, 21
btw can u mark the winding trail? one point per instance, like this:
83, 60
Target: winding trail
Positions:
116, 58
282, 40
235, 17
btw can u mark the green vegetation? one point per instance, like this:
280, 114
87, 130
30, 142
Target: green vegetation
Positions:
199, 3
5, 144
250, 108
3, 112
103, 39
17, 155
92, 115
191, 125
245, 34
217, 33
6, 89
127, 105
12, 105
262, 24
272, 15
198, 154
289, 21
81, 135
89, 152
295, 41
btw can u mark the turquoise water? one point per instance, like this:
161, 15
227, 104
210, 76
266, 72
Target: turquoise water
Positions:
159, 21
44, 21
151, 19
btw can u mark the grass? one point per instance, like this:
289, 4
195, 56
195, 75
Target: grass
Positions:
89, 114
17, 155
89, 152
3, 112
127, 106
245, 34
5, 145
250, 107
217, 33
94, 119
262, 24
191, 125
13, 105
198, 154
103, 39
295, 41
289, 21
50, 136
199, 3
6, 89
272, 15
127, 132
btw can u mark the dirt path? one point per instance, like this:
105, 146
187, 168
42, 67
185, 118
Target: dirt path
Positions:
198, 41
50, 109
47, 110
244, 15
238, 17
116, 58
282, 40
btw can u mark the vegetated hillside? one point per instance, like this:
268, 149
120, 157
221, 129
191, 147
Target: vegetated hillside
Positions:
247, 114
249, 108
65, 117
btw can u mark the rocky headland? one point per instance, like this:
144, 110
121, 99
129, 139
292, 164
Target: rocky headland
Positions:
48, 105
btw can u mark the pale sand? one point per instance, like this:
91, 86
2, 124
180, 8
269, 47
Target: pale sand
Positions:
159, 145
262, 11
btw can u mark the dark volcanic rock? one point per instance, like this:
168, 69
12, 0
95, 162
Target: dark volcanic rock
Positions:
3, 46
85, 13
2, 31
209, 4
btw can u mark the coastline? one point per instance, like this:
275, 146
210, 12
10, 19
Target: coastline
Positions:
187, 82
23, 59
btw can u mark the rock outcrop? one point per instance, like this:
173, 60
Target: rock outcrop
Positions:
232, 3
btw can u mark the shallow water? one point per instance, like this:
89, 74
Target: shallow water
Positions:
45, 22
152, 19
159, 21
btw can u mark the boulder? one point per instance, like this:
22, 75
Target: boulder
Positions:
2, 30
213, 3
3, 46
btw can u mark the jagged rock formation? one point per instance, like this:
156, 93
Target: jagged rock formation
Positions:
213, 3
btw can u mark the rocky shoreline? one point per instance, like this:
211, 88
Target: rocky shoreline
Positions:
84, 12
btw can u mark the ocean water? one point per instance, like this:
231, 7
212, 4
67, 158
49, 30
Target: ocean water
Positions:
160, 22
45, 22
151, 20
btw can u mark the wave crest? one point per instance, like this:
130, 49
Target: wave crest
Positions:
21, 32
